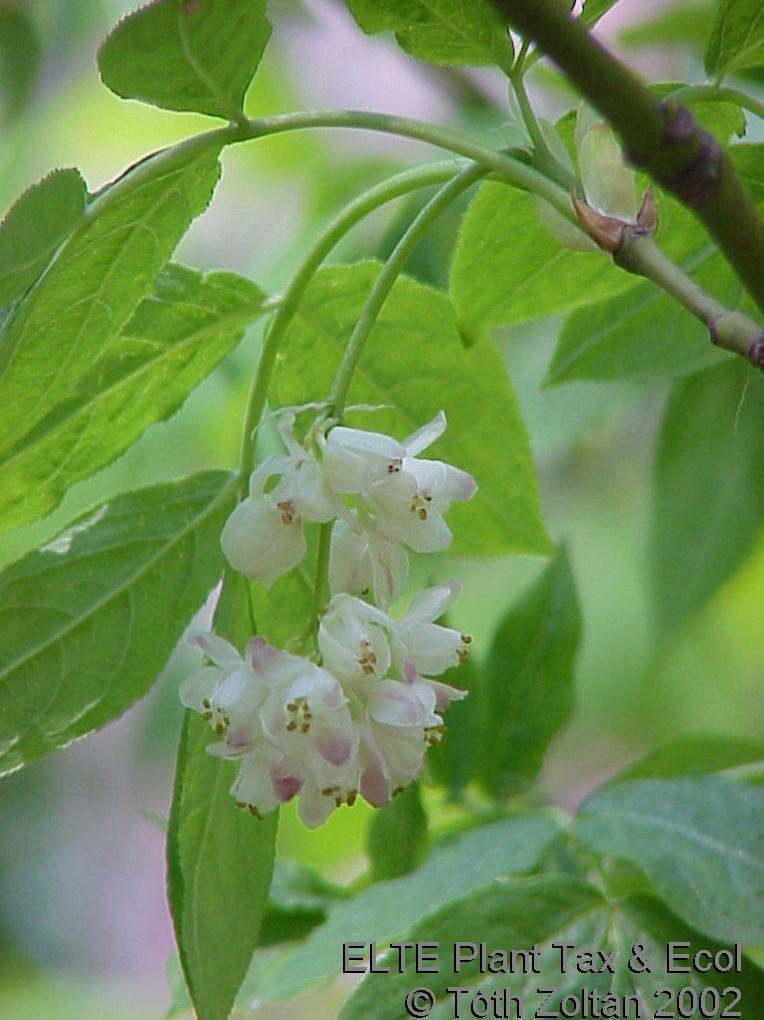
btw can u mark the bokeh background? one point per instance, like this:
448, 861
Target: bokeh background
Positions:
84, 928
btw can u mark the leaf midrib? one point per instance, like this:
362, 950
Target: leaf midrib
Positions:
230, 319
128, 583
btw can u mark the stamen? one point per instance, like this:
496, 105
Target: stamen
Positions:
288, 516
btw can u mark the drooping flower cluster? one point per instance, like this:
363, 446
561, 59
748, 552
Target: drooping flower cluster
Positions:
360, 719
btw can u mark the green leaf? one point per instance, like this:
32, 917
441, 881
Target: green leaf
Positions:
20, 54
517, 914
35, 225
88, 622
723, 119
298, 901
737, 38
641, 920
749, 166
397, 836
460, 32
219, 859
708, 502
613, 926
529, 680
387, 910
415, 361
97, 279
219, 869
690, 755
452, 762
508, 269
595, 9
700, 841
195, 55
644, 333
173, 341
285, 609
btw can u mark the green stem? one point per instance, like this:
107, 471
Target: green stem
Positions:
394, 187
731, 330
363, 327
390, 273
507, 166
543, 157
711, 93
321, 591
660, 137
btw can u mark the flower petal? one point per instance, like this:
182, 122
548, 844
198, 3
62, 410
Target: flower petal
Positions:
314, 807
428, 605
215, 648
198, 686
426, 435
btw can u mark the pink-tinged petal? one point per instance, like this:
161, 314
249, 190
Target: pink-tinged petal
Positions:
216, 649
259, 654
445, 694
433, 648
239, 741
410, 674
431, 603
253, 785
375, 787
314, 807
336, 748
426, 435
401, 704
286, 787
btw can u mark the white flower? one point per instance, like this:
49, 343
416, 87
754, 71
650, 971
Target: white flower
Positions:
264, 535
408, 495
427, 646
366, 562
285, 719
353, 638
400, 724
227, 694
306, 721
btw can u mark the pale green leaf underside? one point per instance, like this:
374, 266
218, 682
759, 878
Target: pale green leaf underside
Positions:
699, 841
460, 32
196, 55
88, 622
93, 286
35, 225
415, 361
173, 341
219, 868
529, 680
388, 910
711, 446
737, 37
507, 269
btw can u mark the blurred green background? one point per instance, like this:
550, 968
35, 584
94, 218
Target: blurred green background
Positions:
84, 929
